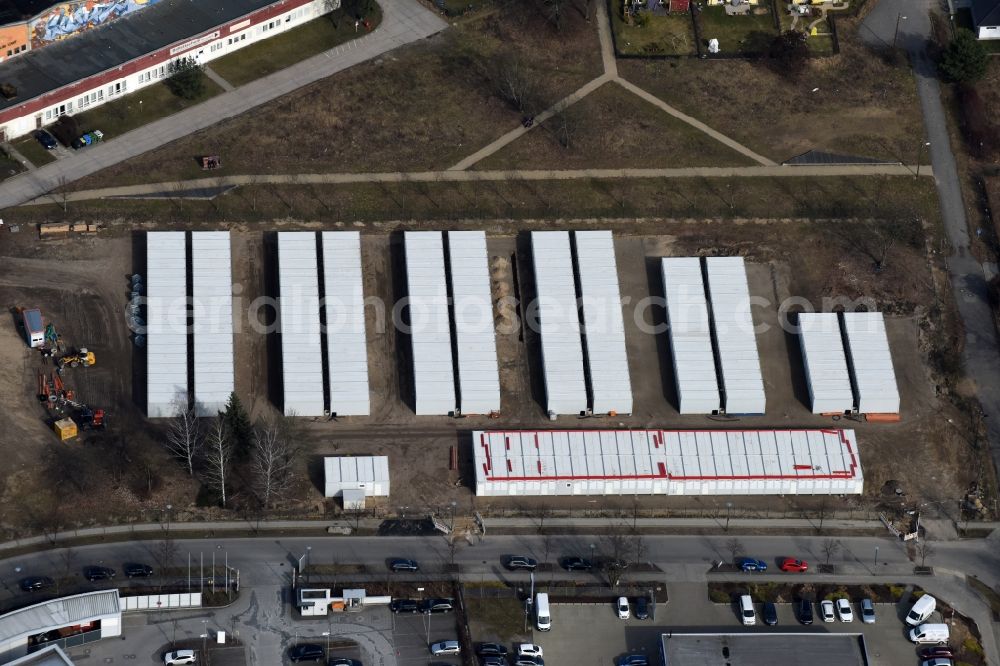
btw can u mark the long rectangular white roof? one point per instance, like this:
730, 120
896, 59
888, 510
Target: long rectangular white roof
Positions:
825, 363
166, 323
370, 472
871, 363
735, 338
301, 356
475, 339
430, 328
604, 327
690, 336
683, 462
211, 288
344, 306
59, 613
558, 323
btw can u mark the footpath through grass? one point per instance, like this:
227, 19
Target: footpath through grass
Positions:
277, 53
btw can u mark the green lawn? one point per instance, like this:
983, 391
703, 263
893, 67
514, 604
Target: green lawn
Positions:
739, 34
33, 151
288, 48
820, 44
139, 108
662, 35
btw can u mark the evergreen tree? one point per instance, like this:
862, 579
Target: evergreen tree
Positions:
238, 425
964, 60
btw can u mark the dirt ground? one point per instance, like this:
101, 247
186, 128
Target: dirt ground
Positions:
81, 285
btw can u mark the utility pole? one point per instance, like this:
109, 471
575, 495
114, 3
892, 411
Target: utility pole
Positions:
899, 17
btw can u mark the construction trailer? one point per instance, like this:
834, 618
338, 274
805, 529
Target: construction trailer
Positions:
664, 462
558, 323
344, 309
610, 385
738, 360
298, 310
212, 309
825, 363
34, 329
368, 474
429, 324
870, 361
472, 310
690, 336
166, 323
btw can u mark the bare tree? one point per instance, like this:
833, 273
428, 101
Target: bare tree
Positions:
218, 456
639, 547
554, 12
924, 550
272, 461
542, 513
564, 125
184, 439
830, 548
67, 562
616, 543
515, 82
735, 548
165, 554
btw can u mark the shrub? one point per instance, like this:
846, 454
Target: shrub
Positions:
717, 596
970, 644
187, 79
641, 19
964, 60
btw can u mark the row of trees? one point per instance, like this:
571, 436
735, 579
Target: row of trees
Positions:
209, 448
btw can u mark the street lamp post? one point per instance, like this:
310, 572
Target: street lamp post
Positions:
327, 634
452, 526
729, 514
920, 155
169, 507
876, 560
899, 17
592, 546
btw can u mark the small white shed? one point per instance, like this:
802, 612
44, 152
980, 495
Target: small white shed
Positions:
369, 474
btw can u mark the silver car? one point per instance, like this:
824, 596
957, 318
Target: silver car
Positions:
445, 647
867, 611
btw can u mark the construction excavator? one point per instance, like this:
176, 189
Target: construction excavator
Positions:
82, 357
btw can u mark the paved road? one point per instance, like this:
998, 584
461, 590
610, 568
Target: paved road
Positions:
403, 21
982, 362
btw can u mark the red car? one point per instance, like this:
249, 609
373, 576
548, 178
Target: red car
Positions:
792, 564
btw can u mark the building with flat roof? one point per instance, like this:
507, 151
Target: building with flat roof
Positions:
52, 655
758, 649
77, 619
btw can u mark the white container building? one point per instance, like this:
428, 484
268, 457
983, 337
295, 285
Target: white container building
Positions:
301, 352
735, 339
825, 363
475, 339
430, 328
873, 375
369, 474
558, 323
690, 336
664, 462
344, 307
166, 323
212, 308
603, 325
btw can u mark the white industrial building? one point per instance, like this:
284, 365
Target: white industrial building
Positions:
874, 377
475, 339
825, 363
690, 336
558, 323
429, 322
212, 312
298, 311
735, 338
367, 474
87, 617
663, 462
603, 325
166, 323
344, 307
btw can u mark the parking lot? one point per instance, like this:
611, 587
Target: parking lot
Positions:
412, 635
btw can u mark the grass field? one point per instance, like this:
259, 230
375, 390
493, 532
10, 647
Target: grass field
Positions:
33, 151
662, 35
738, 34
612, 128
288, 48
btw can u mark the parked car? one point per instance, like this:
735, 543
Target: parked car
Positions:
844, 611
307, 652
94, 574
47, 140
867, 611
937, 661
404, 606
623, 608
343, 661
933, 632
748, 616
641, 608
526, 660
826, 610
921, 610
135, 570
35, 583
493, 660
805, 611
179, 657
573, 563
400, 564
634, 660
446, 647
521, 563
936, 651
529, 650
790, 564
436, 606
770, 614
490, 648
750, 564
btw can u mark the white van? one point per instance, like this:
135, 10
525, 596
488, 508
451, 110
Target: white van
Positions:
930, 633
921, 610
747, 613
543, 619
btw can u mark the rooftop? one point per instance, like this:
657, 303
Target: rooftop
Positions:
49, 656
41, 71
58, 613
755, 649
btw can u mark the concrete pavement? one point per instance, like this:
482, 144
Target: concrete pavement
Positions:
403, 21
